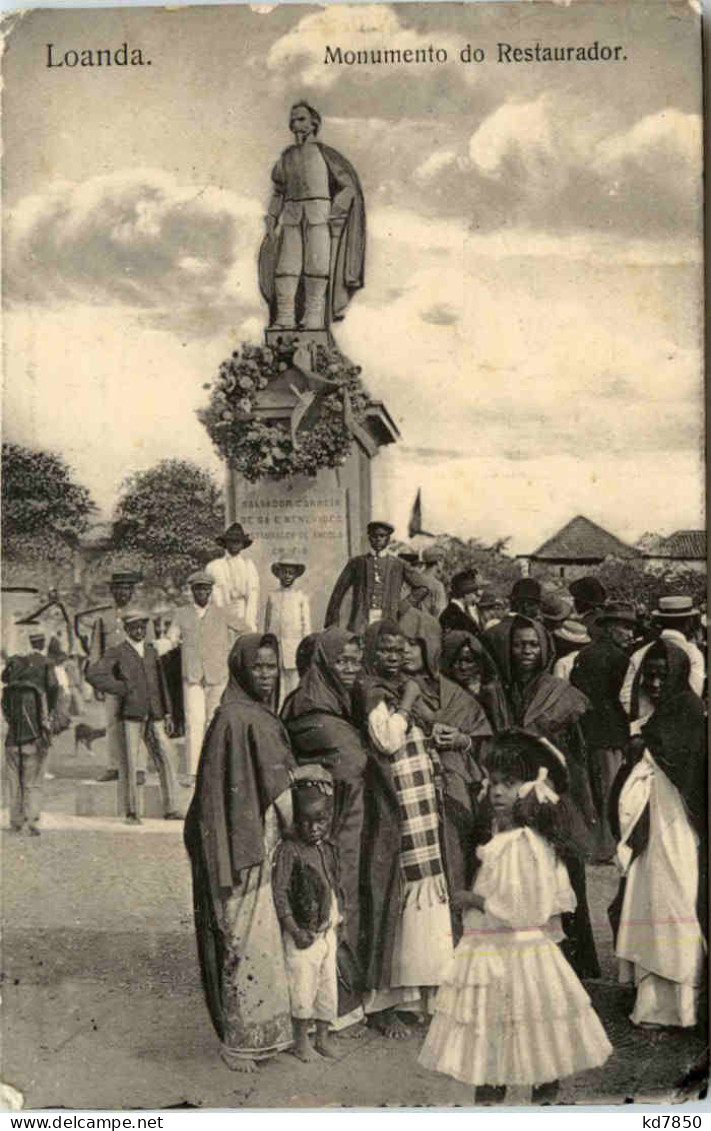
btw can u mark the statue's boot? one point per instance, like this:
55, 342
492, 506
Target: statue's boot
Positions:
314, 303
285, 287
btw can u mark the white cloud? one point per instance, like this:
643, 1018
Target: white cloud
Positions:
435, 164
668, 139
135, 236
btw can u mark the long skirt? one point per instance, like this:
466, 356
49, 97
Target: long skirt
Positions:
242, 962
660, 944
256, 1005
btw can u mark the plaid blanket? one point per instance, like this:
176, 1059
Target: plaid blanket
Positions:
420, 854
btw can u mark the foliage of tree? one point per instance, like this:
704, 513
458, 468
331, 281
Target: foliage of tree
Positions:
498, 569
166, 521
44, 510
635, 579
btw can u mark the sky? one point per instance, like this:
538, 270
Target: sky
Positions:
532, 314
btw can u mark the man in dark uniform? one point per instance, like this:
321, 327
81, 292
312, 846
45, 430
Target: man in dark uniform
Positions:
376, 580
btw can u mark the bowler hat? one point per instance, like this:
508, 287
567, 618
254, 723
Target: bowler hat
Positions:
200, 577
232, 533
378, 525
589, 590
675, 605
464, 582
134, 613
489, 600
616, 610
277, 567
526, 589
556, 607
432, 554
573, 632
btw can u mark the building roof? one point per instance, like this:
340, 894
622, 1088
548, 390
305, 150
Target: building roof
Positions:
581, 540
689, 544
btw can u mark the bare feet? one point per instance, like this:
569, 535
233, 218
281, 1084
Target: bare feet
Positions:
238, 1063
326, 1046
389, 1024
304, 1050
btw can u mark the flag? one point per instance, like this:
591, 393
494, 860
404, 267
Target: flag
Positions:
415, 524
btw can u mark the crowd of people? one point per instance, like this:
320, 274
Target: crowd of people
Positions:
392, 817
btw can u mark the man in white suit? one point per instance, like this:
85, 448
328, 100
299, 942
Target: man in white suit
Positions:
235, 578
288, 616
205, 633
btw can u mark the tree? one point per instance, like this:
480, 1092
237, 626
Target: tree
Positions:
44, 511
166, 521
493, 563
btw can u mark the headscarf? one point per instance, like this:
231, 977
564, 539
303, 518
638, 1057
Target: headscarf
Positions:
426, 631
500, 638
443, 697
241, 659
675, 735
491, 696
321, 689
452, 646
546, 705
245, 764
304, 653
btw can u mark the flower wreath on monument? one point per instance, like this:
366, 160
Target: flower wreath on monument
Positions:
330, 406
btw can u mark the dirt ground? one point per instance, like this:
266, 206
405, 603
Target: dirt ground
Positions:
103, 1007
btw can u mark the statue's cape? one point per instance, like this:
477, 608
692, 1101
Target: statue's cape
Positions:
347, 258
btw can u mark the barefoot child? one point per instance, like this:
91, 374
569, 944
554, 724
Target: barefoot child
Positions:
510, 1010
304, 886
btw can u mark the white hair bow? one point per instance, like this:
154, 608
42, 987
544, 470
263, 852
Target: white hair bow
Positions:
541, 787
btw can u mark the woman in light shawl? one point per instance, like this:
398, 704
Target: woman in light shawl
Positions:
319, 719
242, 797
406, 925
660, 816
543, 705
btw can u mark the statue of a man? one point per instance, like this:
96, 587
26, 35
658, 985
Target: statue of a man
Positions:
312, 257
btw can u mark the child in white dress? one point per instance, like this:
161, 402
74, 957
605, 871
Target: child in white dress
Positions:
510, 1010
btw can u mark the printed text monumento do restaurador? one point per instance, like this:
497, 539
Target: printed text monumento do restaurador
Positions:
594, 52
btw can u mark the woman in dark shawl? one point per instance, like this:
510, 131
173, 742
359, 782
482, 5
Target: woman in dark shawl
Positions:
406, 933
551, 708
319, 719
660, 815
467, 662
304, 655
242, 796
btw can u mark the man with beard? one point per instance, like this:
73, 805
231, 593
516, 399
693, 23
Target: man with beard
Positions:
315, 231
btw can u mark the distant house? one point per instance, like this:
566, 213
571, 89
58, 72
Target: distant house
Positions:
580, 545
685, 549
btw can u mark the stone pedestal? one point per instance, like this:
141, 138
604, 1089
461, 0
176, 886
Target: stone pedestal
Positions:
321, 520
